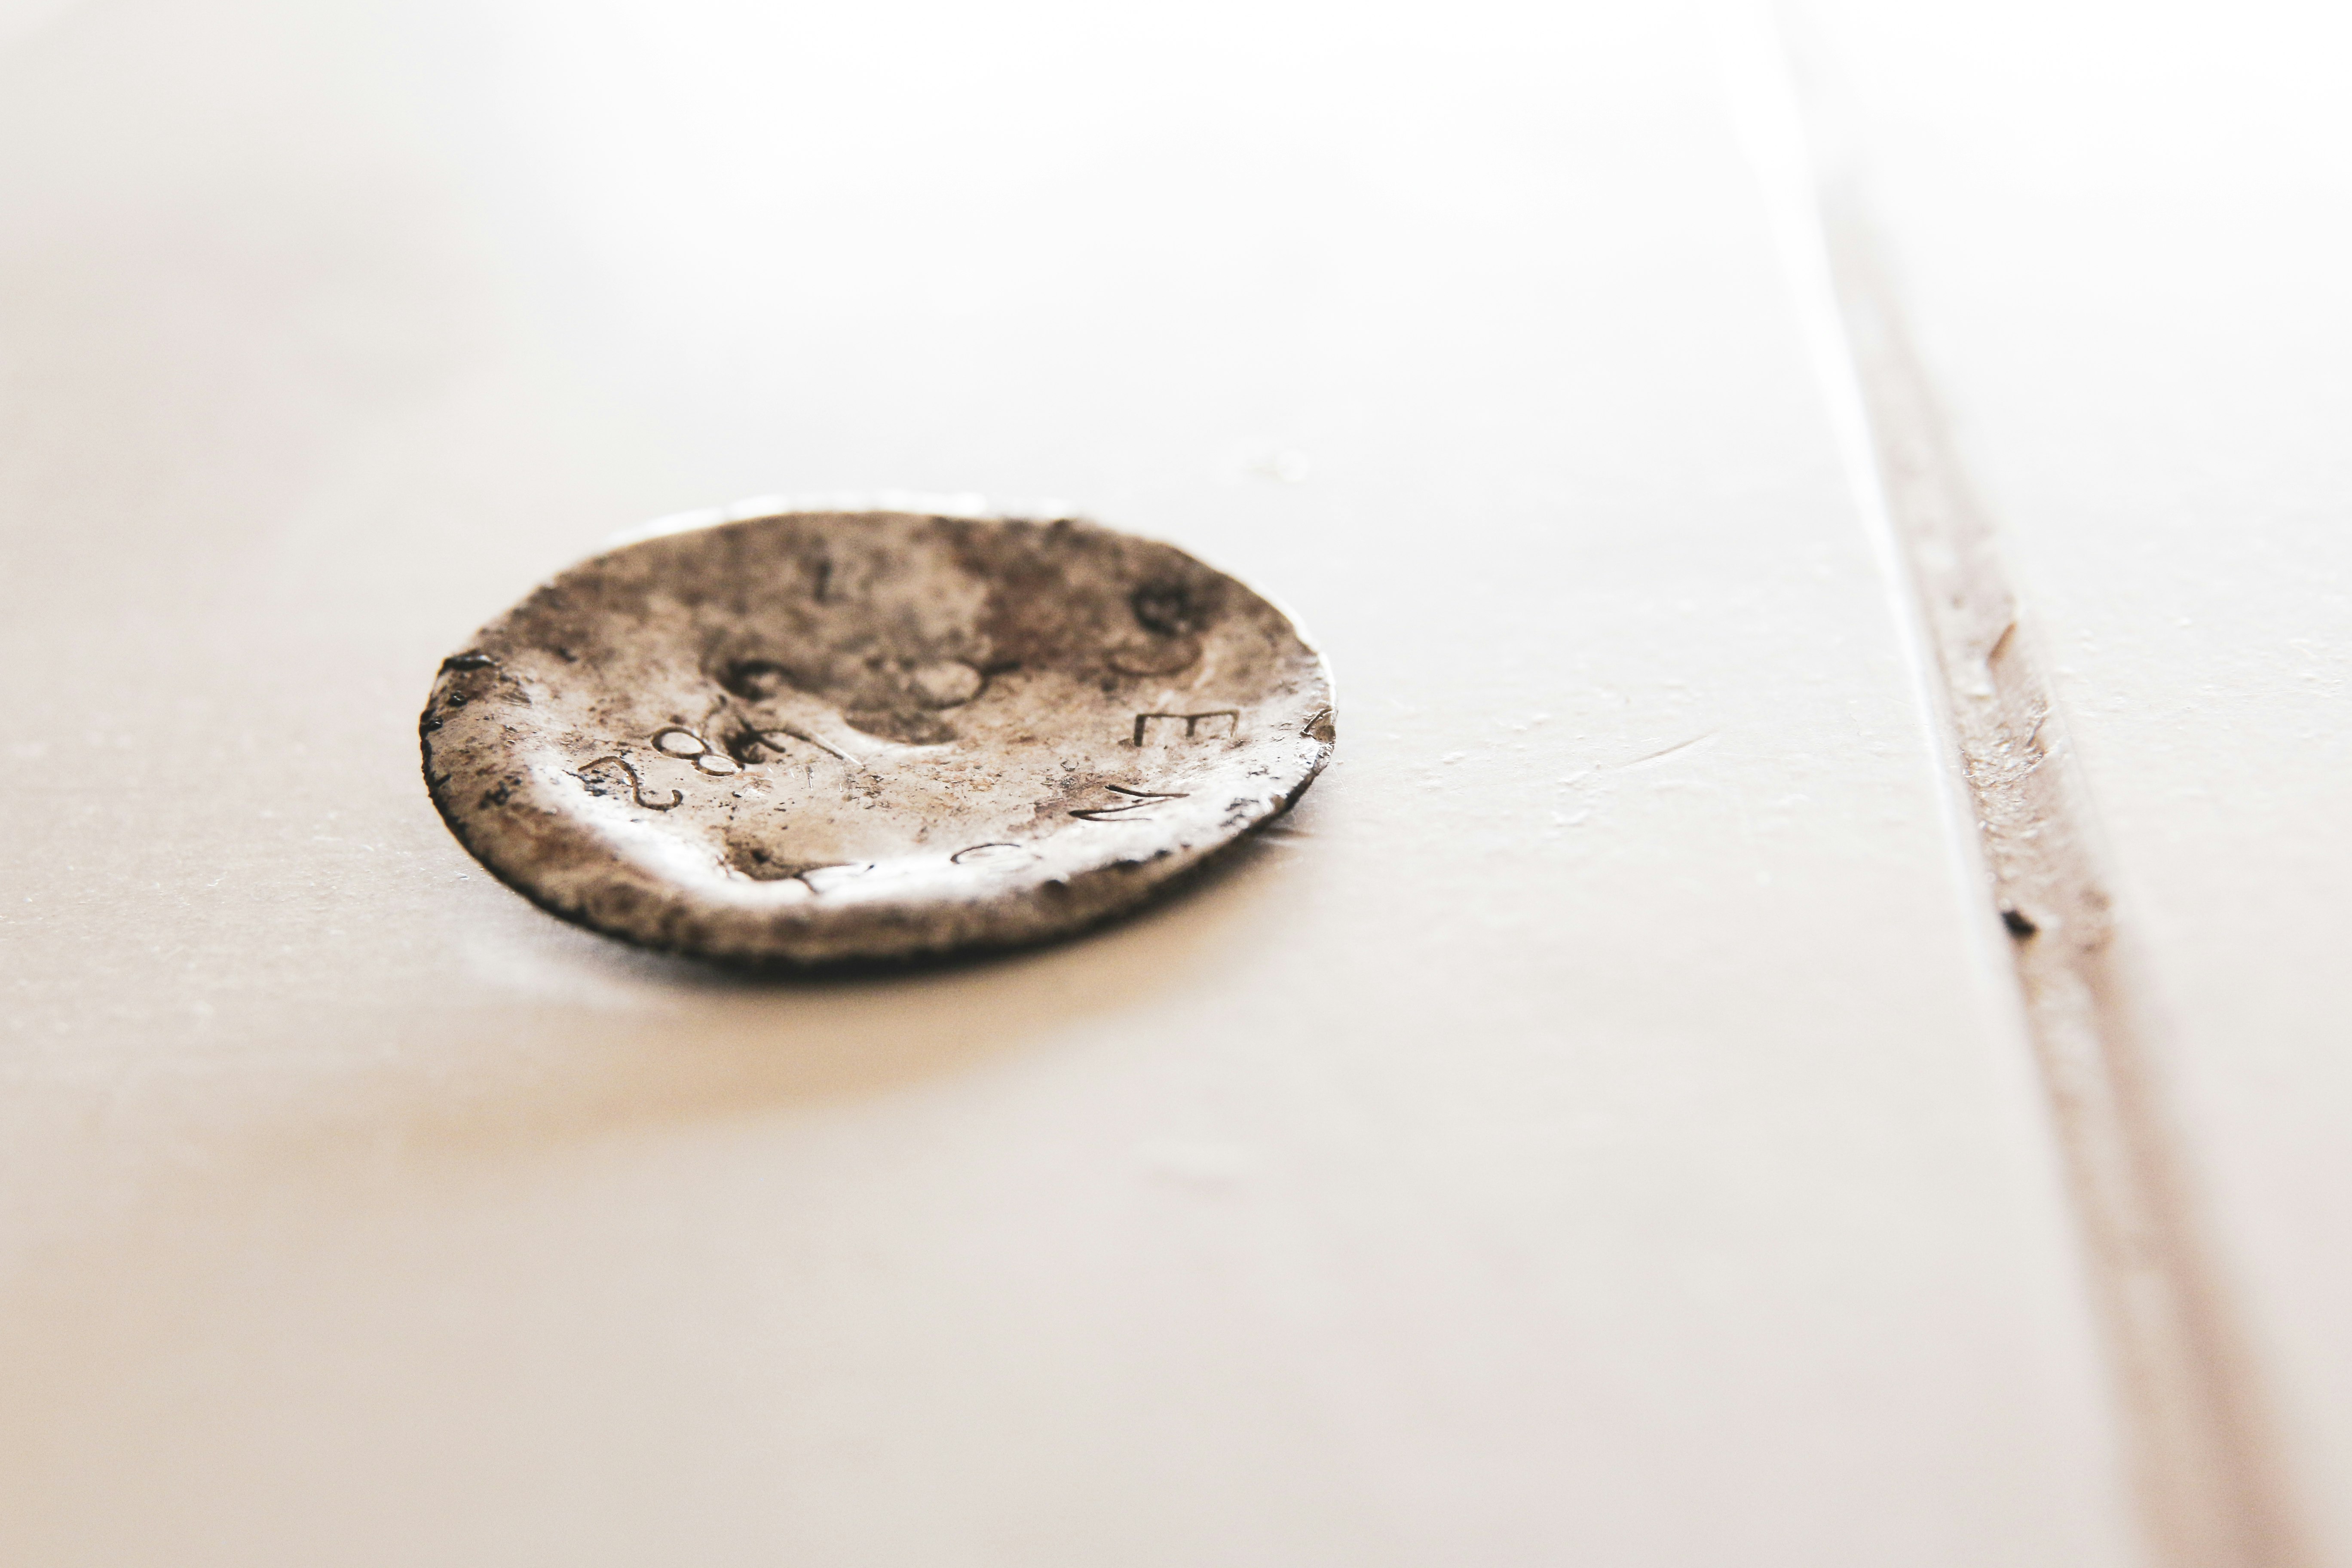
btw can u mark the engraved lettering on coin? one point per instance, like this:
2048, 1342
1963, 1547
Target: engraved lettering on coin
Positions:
1138, 800
1192, 722
820, 736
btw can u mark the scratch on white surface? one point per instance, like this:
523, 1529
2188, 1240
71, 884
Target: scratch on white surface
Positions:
2210, 1484
1664, 751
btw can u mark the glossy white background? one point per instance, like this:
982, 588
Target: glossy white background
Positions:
1594, 1128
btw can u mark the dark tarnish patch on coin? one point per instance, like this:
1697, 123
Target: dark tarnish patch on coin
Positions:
823, 736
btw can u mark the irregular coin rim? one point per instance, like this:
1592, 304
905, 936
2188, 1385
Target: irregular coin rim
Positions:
851, 935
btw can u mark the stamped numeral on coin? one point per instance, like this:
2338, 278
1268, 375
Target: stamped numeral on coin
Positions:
677, 741
636, 784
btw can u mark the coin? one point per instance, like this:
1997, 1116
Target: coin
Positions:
818, 736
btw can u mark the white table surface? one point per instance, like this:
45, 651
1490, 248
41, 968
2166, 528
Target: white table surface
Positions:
2125, 236
1594, 1128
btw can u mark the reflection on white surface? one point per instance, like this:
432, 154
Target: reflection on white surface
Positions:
1529, 1160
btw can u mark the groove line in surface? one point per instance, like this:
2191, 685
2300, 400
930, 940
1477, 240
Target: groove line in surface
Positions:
2210, 1483
2207, 1477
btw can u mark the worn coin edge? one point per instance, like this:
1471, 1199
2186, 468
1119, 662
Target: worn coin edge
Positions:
1119, 890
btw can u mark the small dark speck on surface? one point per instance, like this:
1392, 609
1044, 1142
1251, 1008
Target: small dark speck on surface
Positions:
2016, 923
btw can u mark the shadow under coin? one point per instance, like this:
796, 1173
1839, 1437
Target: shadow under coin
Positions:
654, 1038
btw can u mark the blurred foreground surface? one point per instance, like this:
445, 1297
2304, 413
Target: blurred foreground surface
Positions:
1594, 1128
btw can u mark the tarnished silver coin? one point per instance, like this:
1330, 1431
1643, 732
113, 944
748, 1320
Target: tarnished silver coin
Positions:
828, 735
